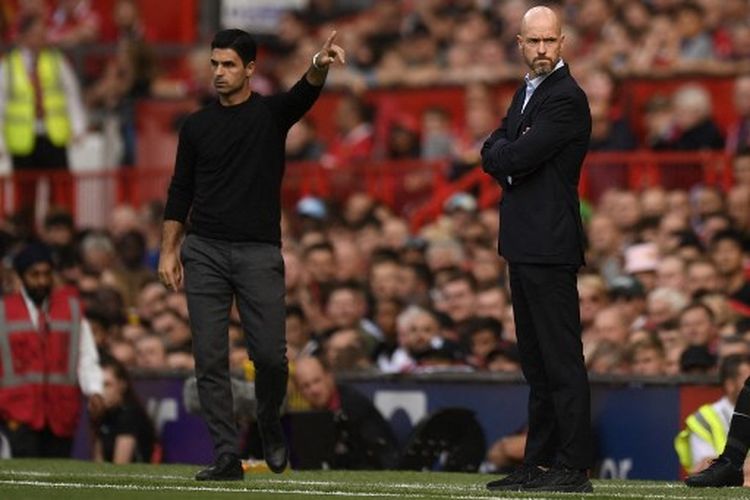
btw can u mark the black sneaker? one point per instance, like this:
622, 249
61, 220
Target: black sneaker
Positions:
560, 479
721, 472
516, 479
226, 468
274, 445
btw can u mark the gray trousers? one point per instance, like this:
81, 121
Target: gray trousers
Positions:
216, 272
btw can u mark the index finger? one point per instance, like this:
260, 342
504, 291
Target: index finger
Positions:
331, 37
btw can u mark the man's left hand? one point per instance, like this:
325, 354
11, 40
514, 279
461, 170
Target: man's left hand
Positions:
329, 54
96, 406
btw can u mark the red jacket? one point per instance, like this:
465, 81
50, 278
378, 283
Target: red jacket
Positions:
38, 373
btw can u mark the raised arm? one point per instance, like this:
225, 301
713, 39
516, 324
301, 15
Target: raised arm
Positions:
323, 59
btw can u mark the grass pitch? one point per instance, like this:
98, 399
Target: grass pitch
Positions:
72, 480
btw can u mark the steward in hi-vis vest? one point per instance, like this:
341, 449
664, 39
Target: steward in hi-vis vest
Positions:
41, 110
47, 358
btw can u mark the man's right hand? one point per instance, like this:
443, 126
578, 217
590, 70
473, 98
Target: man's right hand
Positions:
170, 270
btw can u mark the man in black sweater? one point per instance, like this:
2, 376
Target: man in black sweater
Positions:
228, 171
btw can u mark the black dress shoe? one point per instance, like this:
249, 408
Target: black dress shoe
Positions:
516, 479
721, 472
560, 479
274, 445
226, 468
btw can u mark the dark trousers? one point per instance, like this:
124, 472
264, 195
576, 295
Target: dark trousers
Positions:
29, 443
548, 328
44, 156
216, 272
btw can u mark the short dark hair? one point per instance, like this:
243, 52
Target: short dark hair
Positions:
730, 366
238, 40
728, 235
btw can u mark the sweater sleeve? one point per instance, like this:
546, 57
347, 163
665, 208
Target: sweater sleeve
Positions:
294, 103
181, 188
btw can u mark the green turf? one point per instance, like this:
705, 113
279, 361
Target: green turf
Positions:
71, 480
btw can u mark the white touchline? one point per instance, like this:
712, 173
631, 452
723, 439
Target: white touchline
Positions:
130, 487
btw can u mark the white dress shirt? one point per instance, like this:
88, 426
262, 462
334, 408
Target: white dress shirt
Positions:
533, 83
90, 377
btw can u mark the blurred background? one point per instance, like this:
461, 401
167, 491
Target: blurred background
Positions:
390, 227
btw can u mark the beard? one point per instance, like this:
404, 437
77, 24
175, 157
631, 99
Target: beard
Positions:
38, 294
542, 67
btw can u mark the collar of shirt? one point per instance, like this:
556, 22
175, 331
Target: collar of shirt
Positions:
533, 83
31, 307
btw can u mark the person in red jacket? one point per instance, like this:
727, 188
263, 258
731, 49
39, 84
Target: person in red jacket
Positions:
47, 358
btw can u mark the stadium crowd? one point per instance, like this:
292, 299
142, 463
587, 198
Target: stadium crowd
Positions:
666, 288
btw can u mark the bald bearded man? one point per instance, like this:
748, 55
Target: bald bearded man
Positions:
536, 157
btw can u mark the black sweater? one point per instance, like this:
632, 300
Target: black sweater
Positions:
230, 161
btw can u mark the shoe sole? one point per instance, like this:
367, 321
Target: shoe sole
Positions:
572, 488
507, 487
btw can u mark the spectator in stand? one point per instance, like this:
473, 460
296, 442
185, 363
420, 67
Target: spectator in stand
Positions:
628, 295
346, 308
696, 45
671, 273
354, 139
727, 252
150, 353
664, 305
608, 134
385, 269
437, 137
459, 291
604, 252
693, 128
492, 302
738, 136
741, 168
152, 299
131, 272
698, 326
592, 298
641, 262
299, 341
402, 139
738, 208
702, 277
42, 93
74, 23
647, 357
174, 331
124, 434
482, 336
302, 143
344, 350
364, 440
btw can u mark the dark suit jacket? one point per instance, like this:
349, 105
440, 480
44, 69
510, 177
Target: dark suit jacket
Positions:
541, 151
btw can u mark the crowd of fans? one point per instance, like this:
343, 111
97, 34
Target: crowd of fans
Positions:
666, 288
426, 43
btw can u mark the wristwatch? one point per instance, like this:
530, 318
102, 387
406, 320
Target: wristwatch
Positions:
315, 61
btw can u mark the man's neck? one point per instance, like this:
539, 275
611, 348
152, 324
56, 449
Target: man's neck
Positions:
235, 98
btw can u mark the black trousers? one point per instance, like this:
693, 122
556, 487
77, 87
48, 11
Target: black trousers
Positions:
216, 273
29, 443
548, 328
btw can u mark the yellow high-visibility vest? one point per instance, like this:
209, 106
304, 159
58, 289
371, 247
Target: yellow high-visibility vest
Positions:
20, 113
708, 425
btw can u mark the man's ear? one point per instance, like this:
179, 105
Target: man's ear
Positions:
250, 69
